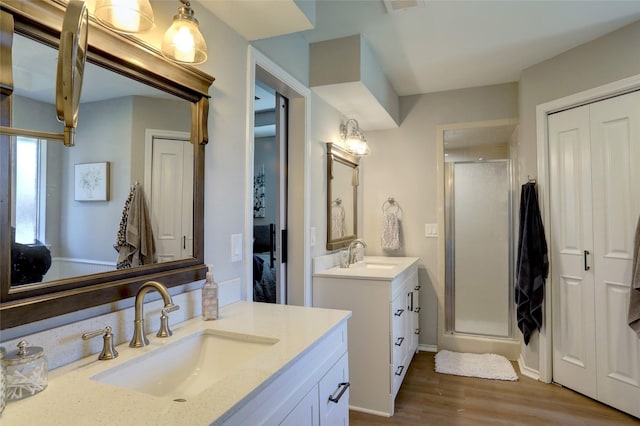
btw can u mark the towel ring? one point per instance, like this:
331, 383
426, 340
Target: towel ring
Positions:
392, 203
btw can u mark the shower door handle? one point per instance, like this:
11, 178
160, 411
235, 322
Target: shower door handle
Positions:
586, 261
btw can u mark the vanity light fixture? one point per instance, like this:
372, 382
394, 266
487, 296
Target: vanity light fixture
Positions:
126, 16
183, 41
354, 138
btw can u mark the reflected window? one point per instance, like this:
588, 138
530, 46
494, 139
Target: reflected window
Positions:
29, 178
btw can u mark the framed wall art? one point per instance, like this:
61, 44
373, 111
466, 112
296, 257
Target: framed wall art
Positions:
92, 181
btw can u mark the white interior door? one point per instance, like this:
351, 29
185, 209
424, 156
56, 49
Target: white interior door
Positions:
595, 202
171, 198
574, 337
615, 147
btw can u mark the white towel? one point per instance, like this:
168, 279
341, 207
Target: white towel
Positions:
337, 222
390, 231
634, 295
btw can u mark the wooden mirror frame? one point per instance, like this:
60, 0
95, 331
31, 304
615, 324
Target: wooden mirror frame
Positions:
131, 57
339, 154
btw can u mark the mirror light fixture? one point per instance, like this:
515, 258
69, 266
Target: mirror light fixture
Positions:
182, 42
127, 16
353, 138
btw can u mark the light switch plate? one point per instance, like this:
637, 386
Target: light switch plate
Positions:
431, 230
313, 236
236, 247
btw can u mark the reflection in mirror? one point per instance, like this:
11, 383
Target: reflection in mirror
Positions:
138, 133
342, 189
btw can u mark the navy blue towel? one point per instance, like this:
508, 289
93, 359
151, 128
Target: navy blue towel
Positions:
532, 266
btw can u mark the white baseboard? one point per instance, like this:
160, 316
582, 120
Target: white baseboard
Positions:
368, 411
527, 371
428, 348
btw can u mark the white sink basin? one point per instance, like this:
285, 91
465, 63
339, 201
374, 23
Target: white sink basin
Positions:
371, 265
188, 366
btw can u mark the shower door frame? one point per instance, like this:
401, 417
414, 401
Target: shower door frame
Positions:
449, 213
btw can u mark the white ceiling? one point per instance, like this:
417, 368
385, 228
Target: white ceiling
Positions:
451, 44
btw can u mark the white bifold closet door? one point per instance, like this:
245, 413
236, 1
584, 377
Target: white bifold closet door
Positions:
594, 159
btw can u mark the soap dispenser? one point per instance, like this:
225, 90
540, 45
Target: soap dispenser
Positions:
209, 296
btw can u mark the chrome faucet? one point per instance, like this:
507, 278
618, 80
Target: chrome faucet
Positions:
139, 339
351, 252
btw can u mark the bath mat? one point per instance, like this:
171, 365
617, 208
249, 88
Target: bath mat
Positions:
486, 366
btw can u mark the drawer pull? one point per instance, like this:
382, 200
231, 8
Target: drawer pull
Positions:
344, 386
417, 331
399, 312
417, 310
416, 288
399, 370
399, 341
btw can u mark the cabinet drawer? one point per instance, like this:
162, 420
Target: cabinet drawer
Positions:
397, 373
334, 394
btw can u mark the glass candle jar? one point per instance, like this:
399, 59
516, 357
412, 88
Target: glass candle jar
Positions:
26, 371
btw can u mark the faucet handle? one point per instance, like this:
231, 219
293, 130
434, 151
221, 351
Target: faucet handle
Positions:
165, 331
108, 351
170, 308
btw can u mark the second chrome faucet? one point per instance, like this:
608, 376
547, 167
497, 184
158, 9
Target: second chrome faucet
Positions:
139, 339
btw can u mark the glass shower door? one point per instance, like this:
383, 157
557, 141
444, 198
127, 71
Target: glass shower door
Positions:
479, 224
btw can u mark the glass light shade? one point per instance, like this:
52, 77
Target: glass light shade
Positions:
183, 42
358, 146
127, 16
355, 141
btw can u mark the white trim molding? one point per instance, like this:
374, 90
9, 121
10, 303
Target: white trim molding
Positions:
428, 348
609, 90
526, 371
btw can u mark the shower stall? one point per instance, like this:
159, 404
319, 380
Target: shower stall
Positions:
476, 269
479, 248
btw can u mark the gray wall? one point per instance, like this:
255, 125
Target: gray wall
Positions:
88, 228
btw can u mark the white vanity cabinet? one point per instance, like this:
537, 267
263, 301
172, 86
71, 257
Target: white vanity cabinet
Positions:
300, 396
383, 328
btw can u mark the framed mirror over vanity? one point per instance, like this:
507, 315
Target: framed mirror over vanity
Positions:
138, 113
342, 196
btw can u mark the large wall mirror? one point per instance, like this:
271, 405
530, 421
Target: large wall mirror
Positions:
141, 133
342, 197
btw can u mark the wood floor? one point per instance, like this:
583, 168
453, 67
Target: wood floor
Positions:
430, 398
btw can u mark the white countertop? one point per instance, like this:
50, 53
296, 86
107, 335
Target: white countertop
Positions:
371, 268
72, 398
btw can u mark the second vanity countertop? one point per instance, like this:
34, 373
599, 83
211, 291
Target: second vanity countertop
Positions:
371, 268
72, 398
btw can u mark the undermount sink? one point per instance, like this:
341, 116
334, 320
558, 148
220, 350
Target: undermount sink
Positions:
374, 265
188, 366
